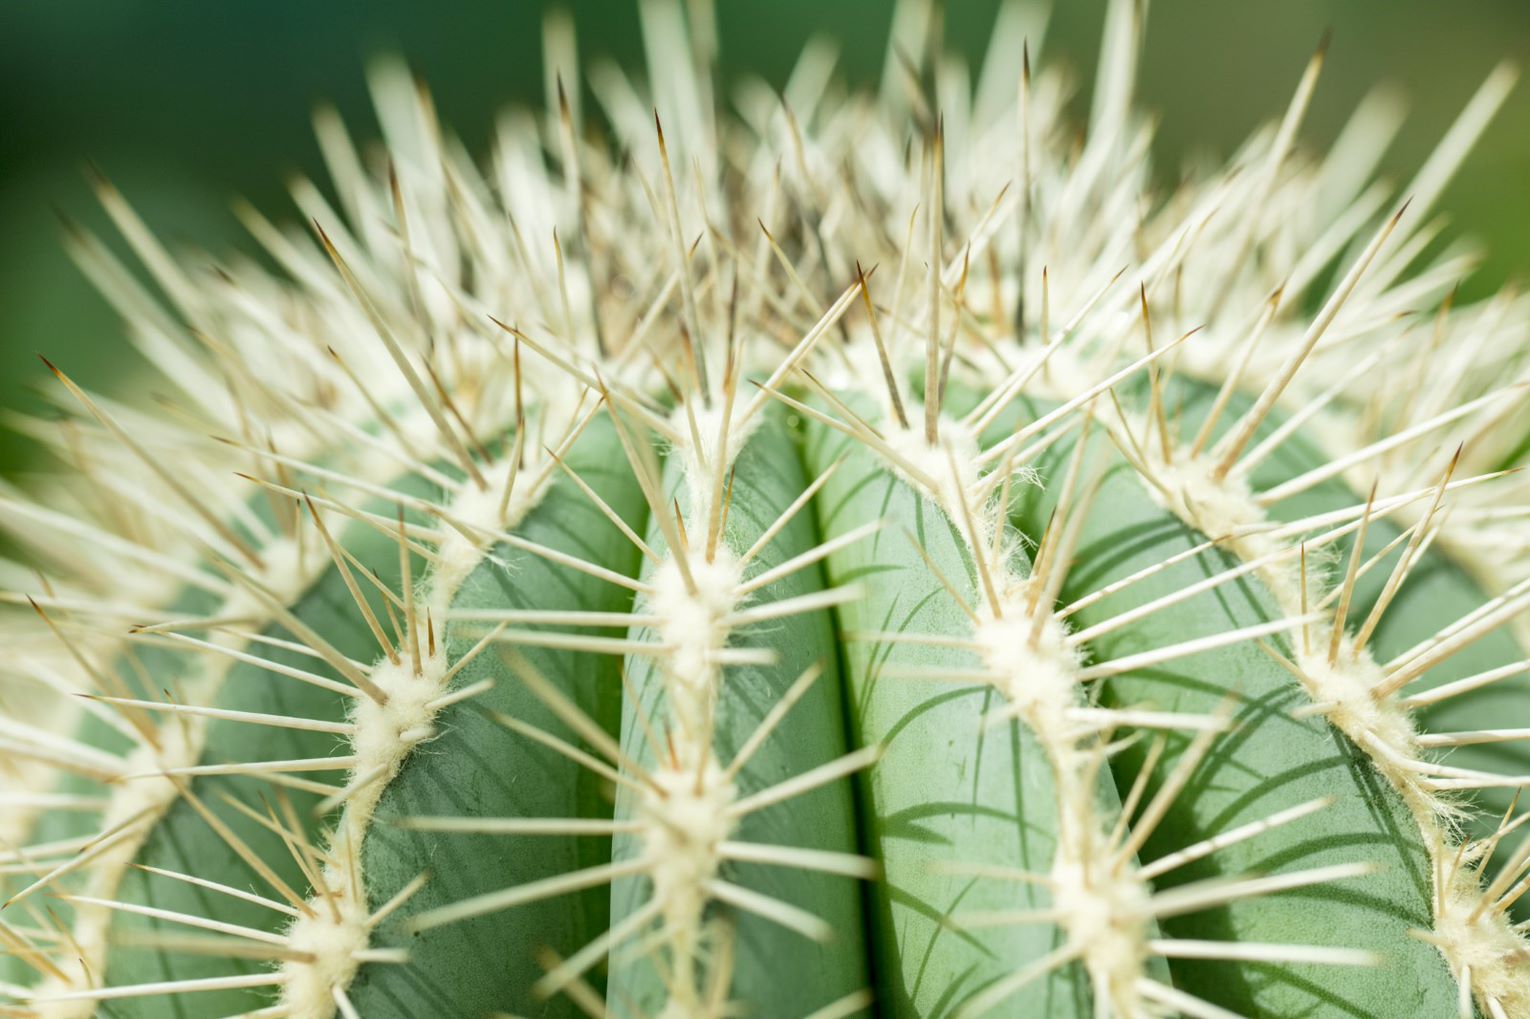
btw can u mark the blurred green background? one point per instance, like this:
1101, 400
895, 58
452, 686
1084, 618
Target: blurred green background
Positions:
185, 105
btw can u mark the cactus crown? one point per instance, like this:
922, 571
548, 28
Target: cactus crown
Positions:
807, 554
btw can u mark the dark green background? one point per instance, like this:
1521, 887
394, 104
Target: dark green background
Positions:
187, 104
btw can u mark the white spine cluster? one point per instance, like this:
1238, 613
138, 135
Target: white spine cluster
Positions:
154, 777
686, 814
1363, 700
407, 689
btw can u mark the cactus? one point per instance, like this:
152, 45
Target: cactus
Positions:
813, 554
